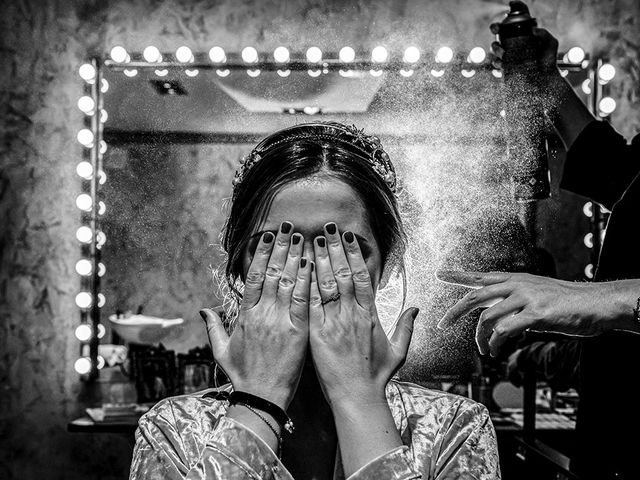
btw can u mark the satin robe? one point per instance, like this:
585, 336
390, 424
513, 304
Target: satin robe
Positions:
444, 436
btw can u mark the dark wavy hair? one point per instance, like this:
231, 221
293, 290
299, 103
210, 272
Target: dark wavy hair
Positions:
296, 159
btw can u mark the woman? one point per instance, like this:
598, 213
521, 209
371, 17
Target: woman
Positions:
313, 232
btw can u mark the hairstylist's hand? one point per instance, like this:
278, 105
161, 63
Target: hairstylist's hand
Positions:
547, 51
516, 302
265, 353
352, 355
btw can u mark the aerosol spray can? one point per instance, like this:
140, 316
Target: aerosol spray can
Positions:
526, 139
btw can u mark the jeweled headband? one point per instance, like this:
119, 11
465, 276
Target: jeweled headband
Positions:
368, 147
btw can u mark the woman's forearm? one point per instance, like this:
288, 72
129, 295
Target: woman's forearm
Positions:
365, 431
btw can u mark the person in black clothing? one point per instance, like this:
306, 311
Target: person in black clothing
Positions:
600, 165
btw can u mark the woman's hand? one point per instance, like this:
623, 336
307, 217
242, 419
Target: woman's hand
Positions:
516, 302
265, 353
352, 355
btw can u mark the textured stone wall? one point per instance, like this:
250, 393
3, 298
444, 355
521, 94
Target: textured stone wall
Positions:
44, 42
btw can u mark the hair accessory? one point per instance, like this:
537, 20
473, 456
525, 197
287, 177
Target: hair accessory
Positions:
368, 147
256, 402
333, 298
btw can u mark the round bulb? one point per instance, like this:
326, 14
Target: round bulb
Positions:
84, 300
86, 104
101, 330
586, 86
249, 55
82, 365
468, 73
223, 73
575, 55
281, 55
314, 73
477, 55
406, 73
314, 55
588, 240
104, 116
444, 55
437, 73
284, 73
588, 271
347, 54
151, 54
101, 239
84, 202
130, 72
606, 72
253, 73
411, 55
375, 72
496, 73
83, 332
101, 300
311, 110
607, 105
84, 267
191, 72
118, 54
379, 54
85, 137
217, 55
84, 234
84, 170
104, 86
101, 269
101, 362
184, 54
161, 73
103, 147
587, 209
87, 72
102, 208
102, 177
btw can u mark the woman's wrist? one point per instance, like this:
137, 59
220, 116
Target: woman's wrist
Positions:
279, 397
623, 297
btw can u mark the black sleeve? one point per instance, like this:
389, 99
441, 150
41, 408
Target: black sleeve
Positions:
600, 164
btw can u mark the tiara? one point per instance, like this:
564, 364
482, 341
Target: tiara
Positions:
368, 147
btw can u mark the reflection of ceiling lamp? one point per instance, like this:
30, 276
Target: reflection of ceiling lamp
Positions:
168, 87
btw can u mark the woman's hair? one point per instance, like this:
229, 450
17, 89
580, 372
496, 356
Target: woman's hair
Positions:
317, 150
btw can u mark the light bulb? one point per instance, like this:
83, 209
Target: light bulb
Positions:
253, 72
586, 86
311, 110
84, 234
606, 72
281, 54
118, 54
477, 55
588, 240
102, 177
606, 106
406, 73
347, 54
87, 72
83, 332
437, 73
249, 55
101, 362
101, 330
86, 104
191, 72
314, 55
85, 137
575, 55
151, 54
104, 116
102, 207
284, 73
130, 72
314, 73
104, 85
101, 300
101, 239
84, 202
588, 271
496, 73
84, 300
411, 55
587, 209
84, 267
223, 73
103, 147
444, 55
84, 170
467, 73
161, 73
82, 365
375, 72
564, 73
217, 55
101, 269
379, 54
184, 54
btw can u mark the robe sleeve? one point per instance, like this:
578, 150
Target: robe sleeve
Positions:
231, 451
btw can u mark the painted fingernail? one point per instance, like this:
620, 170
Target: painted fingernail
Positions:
331, 228
303, 262
285, 227
313, 266
415, 313
267, 237
349, 237
321, 242
203, 315
296, 239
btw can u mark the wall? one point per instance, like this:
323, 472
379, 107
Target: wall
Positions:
43, 43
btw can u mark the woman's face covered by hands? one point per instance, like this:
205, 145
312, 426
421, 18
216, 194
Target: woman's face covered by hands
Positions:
309, 205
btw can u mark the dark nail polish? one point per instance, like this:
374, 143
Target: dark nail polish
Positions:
415, 313
296, 239
331, 228
349, 237
313, 266
203, 315
285, 227
267, 237
321, 242
303, 262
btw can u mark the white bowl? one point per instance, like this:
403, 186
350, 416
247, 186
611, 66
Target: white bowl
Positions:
143, 328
